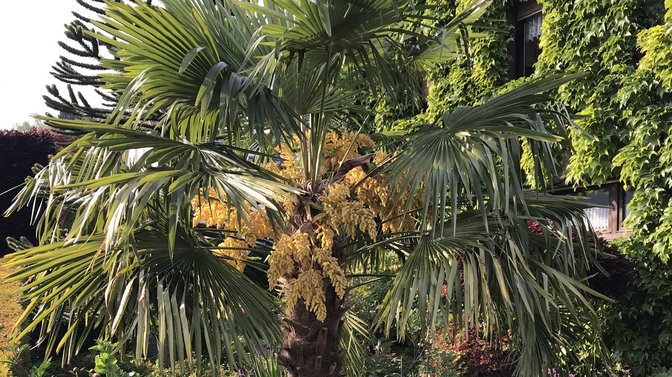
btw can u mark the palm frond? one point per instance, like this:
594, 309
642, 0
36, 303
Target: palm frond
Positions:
267, 366
494, 275
354, 329
473, 154
98, 189
366, 36
196, 64
194, 302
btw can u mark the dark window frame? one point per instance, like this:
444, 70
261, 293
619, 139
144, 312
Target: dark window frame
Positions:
617, 212
518, 15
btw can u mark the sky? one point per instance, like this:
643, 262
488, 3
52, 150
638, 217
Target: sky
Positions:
29, 33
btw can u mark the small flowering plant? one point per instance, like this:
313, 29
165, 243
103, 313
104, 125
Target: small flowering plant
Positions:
552, 372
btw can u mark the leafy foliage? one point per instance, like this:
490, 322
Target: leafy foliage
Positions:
640, 323
105, 361
20, 151
223, 84
645, 161
481, 71
629, 103
474, 75
599, 38
639, 326
484, 358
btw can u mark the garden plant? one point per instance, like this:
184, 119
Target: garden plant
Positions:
240, 185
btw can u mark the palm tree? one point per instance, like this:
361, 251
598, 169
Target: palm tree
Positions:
259, 150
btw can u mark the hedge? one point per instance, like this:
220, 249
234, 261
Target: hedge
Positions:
19, 152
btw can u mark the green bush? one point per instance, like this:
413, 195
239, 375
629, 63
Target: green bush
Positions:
662, 373
19, 152
639, 326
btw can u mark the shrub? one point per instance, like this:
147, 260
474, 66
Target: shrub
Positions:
485, 358
616, 274
441, 363
19, 152
471, 355
639, 325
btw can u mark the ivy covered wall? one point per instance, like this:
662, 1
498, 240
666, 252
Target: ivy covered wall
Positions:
483, 69
646, 159
467, 80
624, 104
625, 47
598, 37
642, 323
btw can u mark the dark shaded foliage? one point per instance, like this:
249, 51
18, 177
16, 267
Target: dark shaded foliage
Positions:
639, 325
618, 271
484, 358
475, 354
19, 152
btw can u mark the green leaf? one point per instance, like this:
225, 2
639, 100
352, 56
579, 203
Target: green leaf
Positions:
189, 57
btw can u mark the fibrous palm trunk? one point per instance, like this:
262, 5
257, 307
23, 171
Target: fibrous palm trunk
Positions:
311, 348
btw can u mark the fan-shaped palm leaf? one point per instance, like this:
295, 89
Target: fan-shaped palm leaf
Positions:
93, 183
195, 302
498, 274
473, 153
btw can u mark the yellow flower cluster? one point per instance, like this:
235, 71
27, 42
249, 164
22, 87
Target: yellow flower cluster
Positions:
309, 286
338, 148
342, 213
376, 197
304, 262
290, 167
234, 250
214, 212
211, 212
313, 265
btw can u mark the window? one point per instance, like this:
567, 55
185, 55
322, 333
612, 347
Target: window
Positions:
527, 18
612, 199
628, 198
599, 216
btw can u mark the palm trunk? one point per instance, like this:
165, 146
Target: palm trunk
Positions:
311, 348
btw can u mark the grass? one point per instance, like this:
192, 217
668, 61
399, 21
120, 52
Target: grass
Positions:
10, 310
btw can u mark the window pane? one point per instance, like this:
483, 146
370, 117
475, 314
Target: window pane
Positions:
532, 26
628, 198
527, 44
598, 217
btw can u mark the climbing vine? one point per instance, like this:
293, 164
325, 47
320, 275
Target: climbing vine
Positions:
646, 159
476, 74
480, 71
625, 101
624, 117
599, 38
